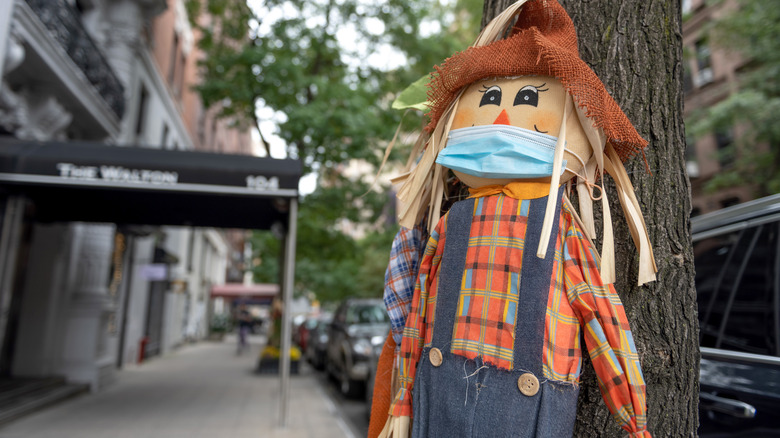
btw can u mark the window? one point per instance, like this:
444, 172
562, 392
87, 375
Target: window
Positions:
178, 86
366, 315
201, 125
164, 140
738, 286
691, 162
724, 140
141, 113
703, 63
172, 63
213, 129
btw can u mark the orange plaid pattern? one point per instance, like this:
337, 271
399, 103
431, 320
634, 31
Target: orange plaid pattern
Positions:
487, 306
577, 300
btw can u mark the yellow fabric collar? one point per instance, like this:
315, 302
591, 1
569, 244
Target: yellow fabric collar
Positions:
516, 190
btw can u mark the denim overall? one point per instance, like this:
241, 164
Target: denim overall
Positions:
467, 398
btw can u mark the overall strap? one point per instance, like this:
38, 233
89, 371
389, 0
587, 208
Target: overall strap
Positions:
535, 280
451, 271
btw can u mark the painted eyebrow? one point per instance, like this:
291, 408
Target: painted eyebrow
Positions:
538, 87
485, 88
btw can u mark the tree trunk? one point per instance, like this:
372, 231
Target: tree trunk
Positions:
635, 47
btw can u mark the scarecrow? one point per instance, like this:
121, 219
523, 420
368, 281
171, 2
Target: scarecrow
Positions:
509, 280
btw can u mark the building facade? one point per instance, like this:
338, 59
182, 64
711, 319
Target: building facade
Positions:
711, 74
82, 300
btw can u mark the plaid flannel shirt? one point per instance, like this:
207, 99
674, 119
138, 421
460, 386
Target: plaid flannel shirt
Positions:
401, 276
577, 300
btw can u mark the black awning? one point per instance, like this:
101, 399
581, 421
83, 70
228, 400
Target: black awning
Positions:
74, 181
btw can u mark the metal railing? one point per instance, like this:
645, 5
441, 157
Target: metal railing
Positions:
64, 25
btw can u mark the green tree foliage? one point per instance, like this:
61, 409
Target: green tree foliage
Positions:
752, 31
310, 62
329, 262
307, 61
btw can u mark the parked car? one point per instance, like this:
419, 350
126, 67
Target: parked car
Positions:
302, 333
737, 257
358, 329
317, 345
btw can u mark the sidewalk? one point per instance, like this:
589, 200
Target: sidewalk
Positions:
203, 390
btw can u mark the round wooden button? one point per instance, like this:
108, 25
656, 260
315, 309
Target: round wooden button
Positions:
528, 384
435, 356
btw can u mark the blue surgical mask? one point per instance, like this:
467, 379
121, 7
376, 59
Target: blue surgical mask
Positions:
499, 152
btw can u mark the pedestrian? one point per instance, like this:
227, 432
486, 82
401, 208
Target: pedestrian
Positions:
244, 325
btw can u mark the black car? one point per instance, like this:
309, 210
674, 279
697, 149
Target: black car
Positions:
737, 257
359, 328
317, 345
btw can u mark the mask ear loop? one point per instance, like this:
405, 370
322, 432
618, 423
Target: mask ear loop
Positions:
598, 142
585, 197
585, 194
555, 180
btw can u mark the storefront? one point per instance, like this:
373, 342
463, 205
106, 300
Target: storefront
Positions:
131, 187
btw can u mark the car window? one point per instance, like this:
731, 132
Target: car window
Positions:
367, 314
737, 286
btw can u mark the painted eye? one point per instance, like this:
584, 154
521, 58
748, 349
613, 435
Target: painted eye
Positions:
528, 95
492, 96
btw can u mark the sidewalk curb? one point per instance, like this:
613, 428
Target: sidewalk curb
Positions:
343, 424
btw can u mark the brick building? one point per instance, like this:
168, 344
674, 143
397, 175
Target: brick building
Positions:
710, 75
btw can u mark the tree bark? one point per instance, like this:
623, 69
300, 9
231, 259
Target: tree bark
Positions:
635, 47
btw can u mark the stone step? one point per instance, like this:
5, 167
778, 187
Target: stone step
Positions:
11, 389
35, 395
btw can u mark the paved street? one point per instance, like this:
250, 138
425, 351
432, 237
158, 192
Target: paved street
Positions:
202, 390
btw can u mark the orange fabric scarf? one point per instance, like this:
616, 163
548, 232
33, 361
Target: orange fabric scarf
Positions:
516, 190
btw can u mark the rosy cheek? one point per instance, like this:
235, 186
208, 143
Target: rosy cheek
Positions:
547, 121
463, 118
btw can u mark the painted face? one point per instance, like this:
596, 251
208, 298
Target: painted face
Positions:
535, 103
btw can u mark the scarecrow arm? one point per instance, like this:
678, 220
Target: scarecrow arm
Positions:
420, 320
606, 332
401, 276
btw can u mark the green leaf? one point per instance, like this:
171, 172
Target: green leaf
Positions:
414, 96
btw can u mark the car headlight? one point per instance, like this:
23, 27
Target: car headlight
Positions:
362, 347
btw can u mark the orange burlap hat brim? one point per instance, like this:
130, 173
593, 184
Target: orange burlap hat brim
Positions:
543, 42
